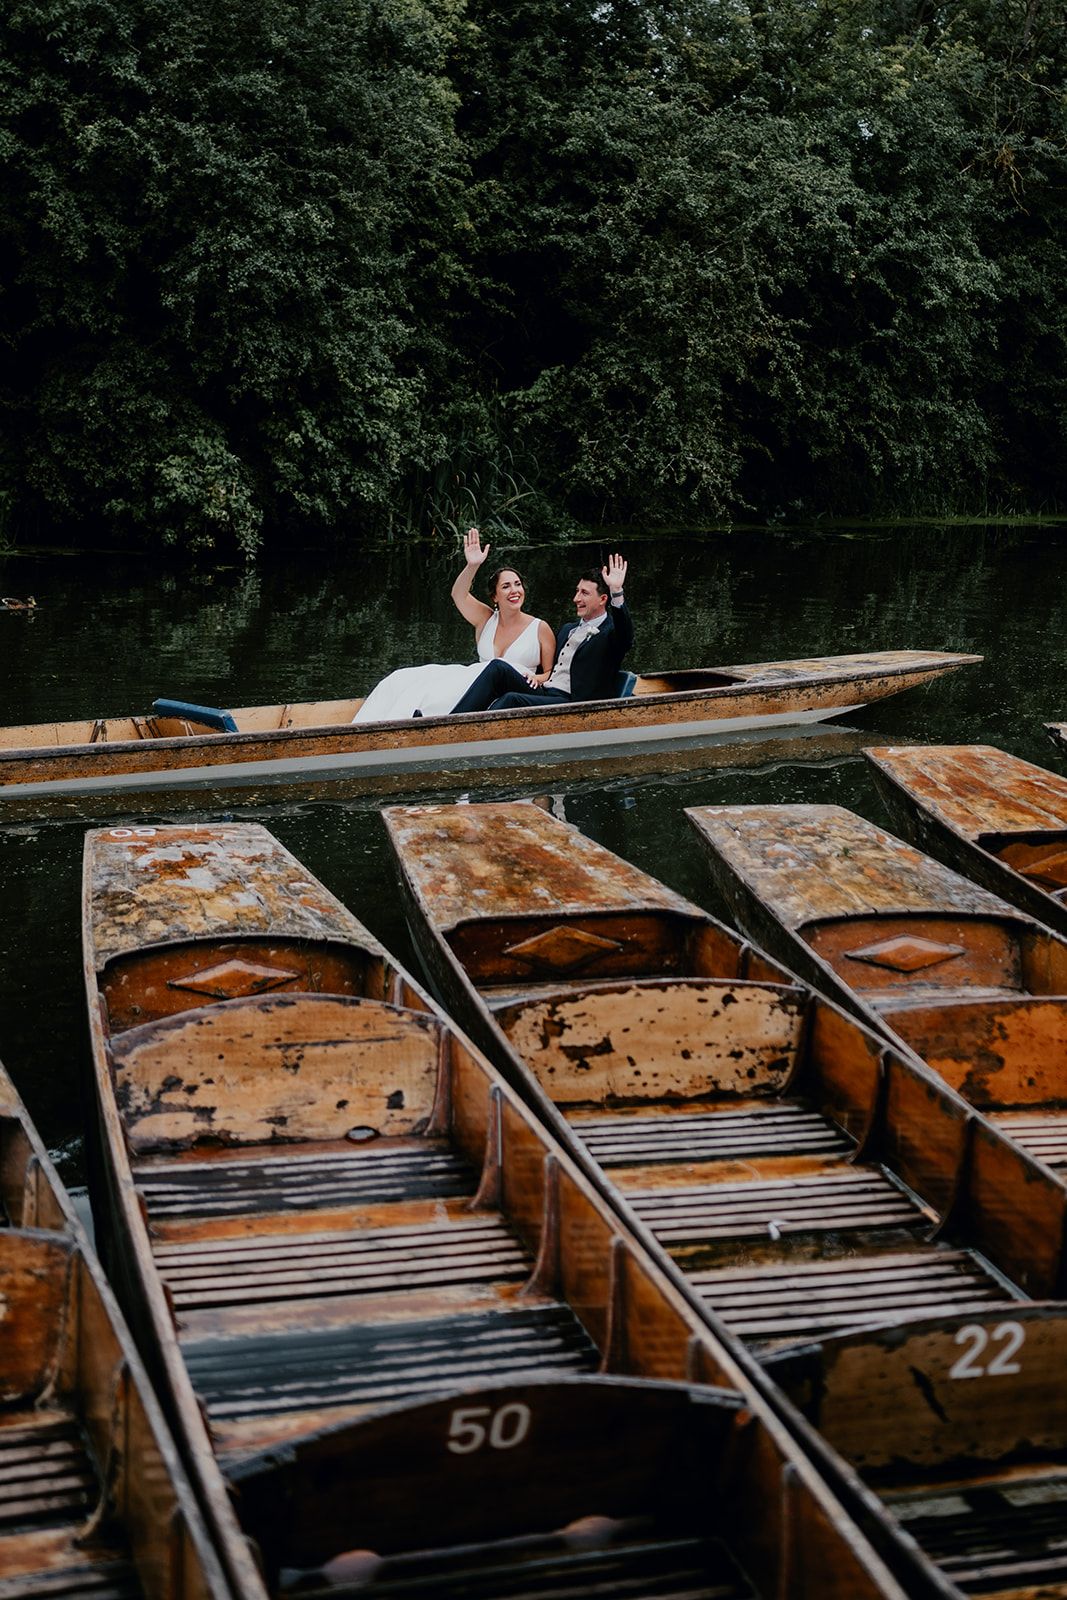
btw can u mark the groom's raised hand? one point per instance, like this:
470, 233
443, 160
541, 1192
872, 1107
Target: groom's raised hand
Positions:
614, 574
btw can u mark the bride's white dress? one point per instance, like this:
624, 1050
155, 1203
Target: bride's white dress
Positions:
434, 689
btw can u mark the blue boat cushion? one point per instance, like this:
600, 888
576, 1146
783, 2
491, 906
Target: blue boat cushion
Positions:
210, 716
624, 688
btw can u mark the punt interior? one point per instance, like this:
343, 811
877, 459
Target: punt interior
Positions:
272, 719
89, 1504
335, 1206
974, 987
802, 1175
959, 1425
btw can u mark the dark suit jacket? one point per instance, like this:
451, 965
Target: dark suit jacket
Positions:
595, 668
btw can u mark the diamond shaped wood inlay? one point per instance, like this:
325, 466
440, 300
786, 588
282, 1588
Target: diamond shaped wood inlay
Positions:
907, 953
562, 949
233, 980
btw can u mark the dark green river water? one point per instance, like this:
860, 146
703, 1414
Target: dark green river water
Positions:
111, 634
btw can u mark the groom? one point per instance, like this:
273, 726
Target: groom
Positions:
588, 652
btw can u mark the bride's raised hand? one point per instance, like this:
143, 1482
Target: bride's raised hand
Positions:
474, 552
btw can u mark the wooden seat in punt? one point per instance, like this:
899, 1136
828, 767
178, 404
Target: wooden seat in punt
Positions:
292, 743
1000, 820
93, 1499
965, 981
344, 1239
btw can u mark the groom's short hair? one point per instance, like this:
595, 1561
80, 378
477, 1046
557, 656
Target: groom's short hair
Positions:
593, 576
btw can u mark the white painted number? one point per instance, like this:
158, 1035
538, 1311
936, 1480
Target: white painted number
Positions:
468, 1429
1009, 1335
133, 833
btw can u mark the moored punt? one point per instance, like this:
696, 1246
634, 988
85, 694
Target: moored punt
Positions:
93, 1499
804, 1180
335, 1214
1001, 820
276, 744
788, 1162
968, 983
959, 1424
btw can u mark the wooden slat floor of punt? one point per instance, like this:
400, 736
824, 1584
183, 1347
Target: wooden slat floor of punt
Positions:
803, 1300
48, 1484
622, 1141
647, 1569
298, 1179
360, 1364
46, 1473
855, 1200
108, 1579
994, 1539
269, 1268
783, 1258
280, 1326
1042, 1135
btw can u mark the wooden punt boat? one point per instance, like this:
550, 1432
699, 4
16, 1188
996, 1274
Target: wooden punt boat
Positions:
804, 1180
960, 1424
283, 743
93, 1499
951, 972
356, 1258
1000, 820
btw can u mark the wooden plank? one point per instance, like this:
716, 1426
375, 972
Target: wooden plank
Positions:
454, 854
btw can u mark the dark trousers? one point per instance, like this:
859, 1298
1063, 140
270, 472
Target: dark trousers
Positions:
498, 687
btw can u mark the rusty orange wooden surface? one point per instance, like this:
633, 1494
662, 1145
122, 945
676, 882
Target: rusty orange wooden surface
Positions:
817, 862
160, 886
977, 788
330, 1203
531, 866
777, 1183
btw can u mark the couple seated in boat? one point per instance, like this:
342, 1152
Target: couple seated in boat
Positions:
519, 662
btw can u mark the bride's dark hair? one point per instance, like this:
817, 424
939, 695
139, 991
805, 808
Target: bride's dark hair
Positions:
495, 577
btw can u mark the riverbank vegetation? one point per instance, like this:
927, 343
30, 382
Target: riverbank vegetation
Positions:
272, 270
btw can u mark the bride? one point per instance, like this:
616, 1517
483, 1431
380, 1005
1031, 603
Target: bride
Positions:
503, 630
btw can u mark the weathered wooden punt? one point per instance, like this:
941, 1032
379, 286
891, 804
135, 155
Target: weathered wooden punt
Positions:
93, 1499
293, 742
960, 1423
357, 1260
1000, 820
803, 1179
968, 983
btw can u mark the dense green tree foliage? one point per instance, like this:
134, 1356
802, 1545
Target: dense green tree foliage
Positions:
362, 265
